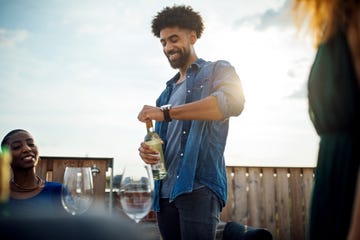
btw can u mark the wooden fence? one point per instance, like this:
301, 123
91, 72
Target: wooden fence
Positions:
276, 198
52, 169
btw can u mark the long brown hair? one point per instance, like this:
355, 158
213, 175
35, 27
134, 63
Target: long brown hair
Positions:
324, 17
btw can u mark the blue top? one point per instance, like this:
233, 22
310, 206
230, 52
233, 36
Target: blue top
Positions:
171, 155
47, 202
203, 142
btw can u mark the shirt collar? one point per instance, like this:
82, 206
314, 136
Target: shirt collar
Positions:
196, 65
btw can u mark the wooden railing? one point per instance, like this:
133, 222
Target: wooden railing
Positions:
52, 169
276, 198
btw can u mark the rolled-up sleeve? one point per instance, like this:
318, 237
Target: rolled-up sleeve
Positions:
227, 89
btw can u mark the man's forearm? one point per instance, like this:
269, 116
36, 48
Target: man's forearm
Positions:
204, 109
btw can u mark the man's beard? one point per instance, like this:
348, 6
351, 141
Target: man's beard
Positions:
181, 61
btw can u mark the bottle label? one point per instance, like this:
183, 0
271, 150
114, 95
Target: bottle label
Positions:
158, 169
156, 166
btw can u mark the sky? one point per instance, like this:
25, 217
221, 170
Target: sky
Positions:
76, 73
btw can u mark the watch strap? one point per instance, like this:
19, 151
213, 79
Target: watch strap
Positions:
166, 111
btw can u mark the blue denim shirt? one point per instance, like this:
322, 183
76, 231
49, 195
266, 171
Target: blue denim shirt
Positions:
203, 142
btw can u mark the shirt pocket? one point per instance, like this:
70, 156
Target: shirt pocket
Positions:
200, 89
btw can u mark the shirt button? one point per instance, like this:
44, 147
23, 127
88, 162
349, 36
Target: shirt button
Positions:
189, 91
184, 132
181, 154
177, 176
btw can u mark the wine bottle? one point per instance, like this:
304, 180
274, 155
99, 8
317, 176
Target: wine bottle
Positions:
153, 139
5, 159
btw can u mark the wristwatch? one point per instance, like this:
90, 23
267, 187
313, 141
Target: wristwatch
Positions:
165, 109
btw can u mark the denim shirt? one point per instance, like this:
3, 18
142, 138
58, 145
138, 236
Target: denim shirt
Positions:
203, 142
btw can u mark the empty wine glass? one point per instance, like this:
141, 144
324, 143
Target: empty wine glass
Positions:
77, 190
136, 190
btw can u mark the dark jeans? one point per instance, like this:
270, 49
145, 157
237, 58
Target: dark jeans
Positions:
190, 216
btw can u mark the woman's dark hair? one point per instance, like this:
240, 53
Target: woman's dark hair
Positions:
178, 16
4, 142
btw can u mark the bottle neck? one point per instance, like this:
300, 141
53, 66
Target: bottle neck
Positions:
149, 126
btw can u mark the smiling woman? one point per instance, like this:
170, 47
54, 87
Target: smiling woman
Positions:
29, 194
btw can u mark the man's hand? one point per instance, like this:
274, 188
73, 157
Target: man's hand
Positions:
147, 154
148, 113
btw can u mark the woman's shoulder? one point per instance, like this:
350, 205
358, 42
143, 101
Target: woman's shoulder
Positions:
53, 186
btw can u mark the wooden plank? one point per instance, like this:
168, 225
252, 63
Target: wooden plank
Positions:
100, 178
282, 196
49, 176
42, 168
241, 195
99, 181
226, 214
308, 180
269, 199
297, 203
255, 199
59, 167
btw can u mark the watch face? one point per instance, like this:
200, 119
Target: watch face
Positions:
165, 107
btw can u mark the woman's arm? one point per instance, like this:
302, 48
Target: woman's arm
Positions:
354, 232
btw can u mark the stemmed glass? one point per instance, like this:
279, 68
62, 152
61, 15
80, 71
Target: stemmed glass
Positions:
136, 190
77, 190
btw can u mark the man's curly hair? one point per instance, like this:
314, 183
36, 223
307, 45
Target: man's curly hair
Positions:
178, 16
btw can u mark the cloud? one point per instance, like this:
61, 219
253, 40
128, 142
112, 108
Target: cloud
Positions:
10, 38
90, 29
298, 73
280, 18
300, 92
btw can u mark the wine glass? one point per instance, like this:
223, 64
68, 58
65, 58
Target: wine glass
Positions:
136, 190
77, 190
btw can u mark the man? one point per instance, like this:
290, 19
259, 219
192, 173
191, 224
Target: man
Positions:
192, 118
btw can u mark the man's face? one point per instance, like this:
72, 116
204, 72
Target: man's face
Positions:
176, 44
